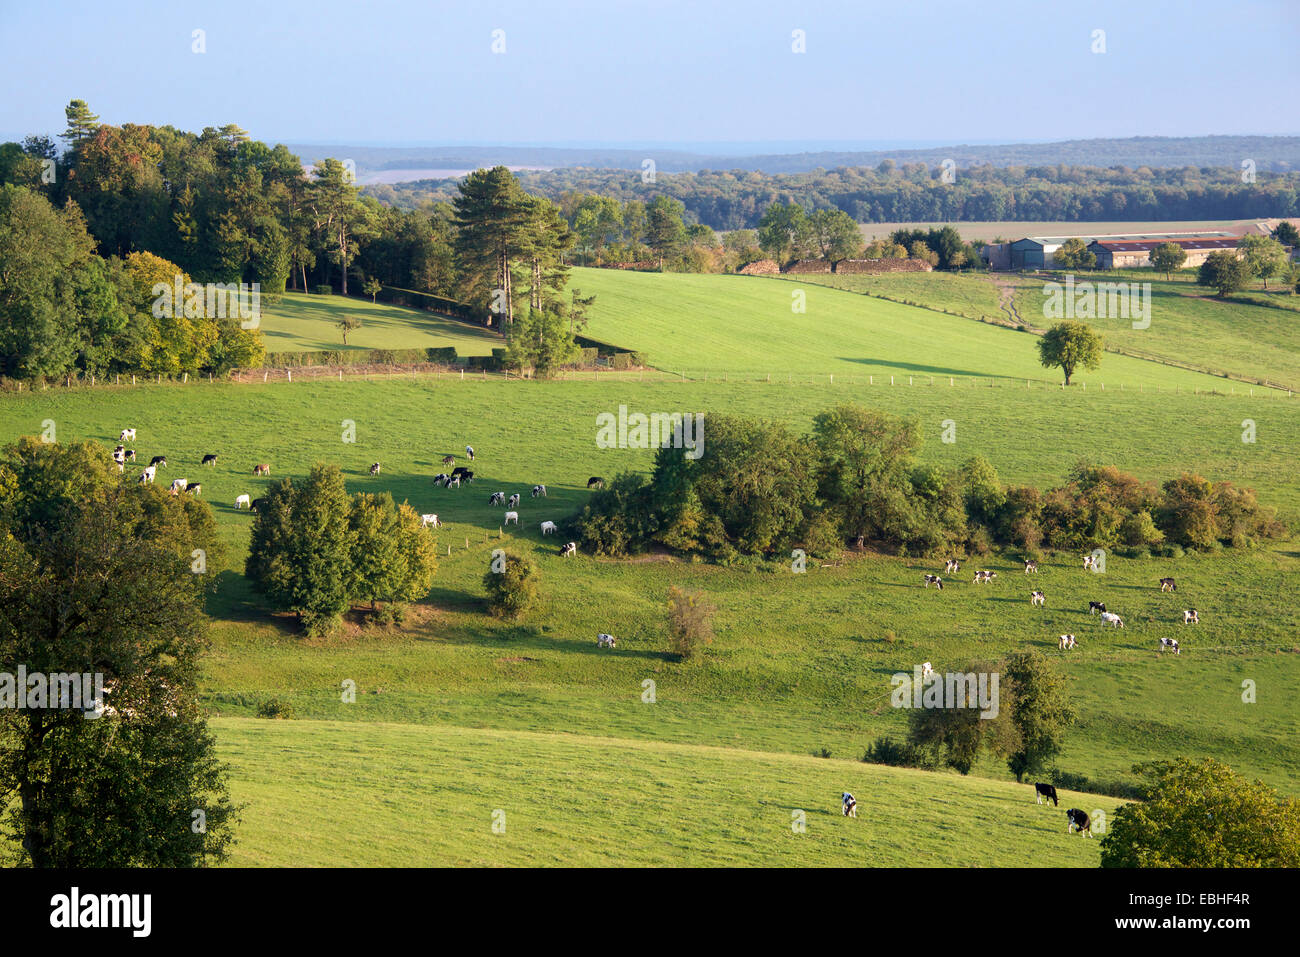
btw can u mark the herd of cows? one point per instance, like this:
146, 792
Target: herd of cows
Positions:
1037, 598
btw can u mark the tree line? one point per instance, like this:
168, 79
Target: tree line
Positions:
916, 192
856, 480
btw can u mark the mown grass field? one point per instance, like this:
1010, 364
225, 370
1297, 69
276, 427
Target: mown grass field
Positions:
697, 323
458, 714
572, 800
299, 322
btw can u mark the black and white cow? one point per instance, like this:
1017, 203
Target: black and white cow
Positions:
126, 435
569, 548
605, 641
441, 479
1045, 792
1095, 606
848, 804
1031, 567
497, 498
1089, 561
374, 469
540, 490
952, 566
984, 576
194, 488
1167, 584
1066, 642
1037, 598
158, 461
934, 580
1078, 819
1171, 643
595, 482
458, 470
1190, 617
514, 501
209, 459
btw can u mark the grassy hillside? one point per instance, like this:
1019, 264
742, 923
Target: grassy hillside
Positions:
328, 794
301, 322
697, 323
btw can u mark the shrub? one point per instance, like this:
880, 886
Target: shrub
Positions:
690, 621
275, 708
897, 754
512, 585
322, 290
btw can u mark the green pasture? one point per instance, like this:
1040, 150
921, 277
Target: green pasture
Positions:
299, 322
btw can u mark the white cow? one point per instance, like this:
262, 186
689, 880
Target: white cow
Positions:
179, 485
512, 517
539, 490
1112, 619
927, 671
548, 528
430, 519
245, 500
604, 641
1171, 643
147, 476
128, 435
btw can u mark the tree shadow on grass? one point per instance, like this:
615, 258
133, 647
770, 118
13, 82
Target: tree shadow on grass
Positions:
888, 364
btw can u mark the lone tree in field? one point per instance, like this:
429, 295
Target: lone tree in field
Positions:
1167, 257
690, 621
1224, 272
512, 586
1203, 814
348, 324
1040, 711
102, 577
1070, 345
1264, 257
372, 288
1074, 254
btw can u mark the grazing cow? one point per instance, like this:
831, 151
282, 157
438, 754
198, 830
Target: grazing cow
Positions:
430, 519
1037, 598
128, 454
179, 485
244, 500
194, 489
261, 469
257, 503
158, 461
441, 478
1096, 606
849, 804
497, 498
1171, 643
927, 671
374, 469
569, 548
984, 576
548, 528
1167, 584
1109, 618
127, 435
1190, 617
1066, 642
952, 567
1089, 561
209, 459
449, 460
119, 455
1031, 567
147, 476
1078, 819
540, 490
1045, 792
595, 482
934, 580
469, 452
512, 517
514, 501
453, 481
604, 641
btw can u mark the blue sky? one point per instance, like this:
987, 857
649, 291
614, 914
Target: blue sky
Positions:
656, 72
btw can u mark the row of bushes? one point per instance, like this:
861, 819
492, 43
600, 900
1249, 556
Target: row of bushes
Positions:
445, 355
758, 489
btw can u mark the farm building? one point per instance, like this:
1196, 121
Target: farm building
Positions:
1119, 254
1036, 252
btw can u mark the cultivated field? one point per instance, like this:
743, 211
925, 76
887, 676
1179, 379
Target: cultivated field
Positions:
458, 714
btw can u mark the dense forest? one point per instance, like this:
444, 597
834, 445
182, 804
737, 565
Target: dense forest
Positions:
916, 192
